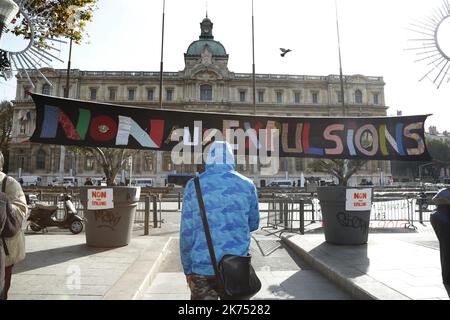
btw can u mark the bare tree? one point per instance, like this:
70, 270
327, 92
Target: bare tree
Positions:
336, 167
111, 160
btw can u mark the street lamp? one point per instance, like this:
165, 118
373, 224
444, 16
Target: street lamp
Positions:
8, 10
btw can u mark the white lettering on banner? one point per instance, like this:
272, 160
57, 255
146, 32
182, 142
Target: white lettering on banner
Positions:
358, 200
99, 199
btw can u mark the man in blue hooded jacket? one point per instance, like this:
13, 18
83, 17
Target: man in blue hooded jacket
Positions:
231, 203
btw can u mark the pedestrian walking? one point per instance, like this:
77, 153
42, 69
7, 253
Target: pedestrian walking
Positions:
231, 203
13, 243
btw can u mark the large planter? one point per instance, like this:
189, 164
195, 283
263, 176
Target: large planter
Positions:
345, 224
108, 228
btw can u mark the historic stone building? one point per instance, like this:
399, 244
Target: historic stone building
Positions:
205, 84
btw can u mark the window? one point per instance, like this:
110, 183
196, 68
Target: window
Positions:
90, 163
339, 96
297, 97
315, 97
25, 92
283, 164
131, 94
279, 97
376, 98
205, 92
242, 95
299, 166
40, 160
21, 161
260, 96
46, 89
112, 94
23, 127
167, 163
358, 96
169, 94
93, 94
148, 163
150, 94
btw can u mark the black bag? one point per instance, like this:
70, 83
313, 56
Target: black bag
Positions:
237, 280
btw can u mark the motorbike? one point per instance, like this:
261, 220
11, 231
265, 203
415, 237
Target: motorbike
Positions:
43, 216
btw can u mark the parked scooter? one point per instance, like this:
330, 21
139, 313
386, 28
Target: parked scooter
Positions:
43, 216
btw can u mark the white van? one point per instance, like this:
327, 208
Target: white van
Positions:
281, 184
67, 182
142, 182
70, 182
30, 181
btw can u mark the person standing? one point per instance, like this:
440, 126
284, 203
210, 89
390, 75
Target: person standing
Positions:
14, 245
231, 203
88, 182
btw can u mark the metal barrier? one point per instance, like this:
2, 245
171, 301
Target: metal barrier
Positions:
289, 212
149, 209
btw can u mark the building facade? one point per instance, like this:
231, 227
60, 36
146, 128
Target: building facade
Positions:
204, 85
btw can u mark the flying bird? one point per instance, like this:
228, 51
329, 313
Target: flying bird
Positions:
284, 51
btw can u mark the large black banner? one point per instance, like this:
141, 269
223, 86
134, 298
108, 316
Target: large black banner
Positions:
82, 123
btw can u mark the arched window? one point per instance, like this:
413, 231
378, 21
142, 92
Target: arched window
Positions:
46, 89
358, 96
205, 92
40, 160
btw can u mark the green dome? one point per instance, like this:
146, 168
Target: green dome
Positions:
197, 47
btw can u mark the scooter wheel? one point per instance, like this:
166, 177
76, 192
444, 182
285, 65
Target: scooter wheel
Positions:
76, 227
35, 228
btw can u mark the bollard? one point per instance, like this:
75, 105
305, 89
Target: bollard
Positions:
420, 213
155, 212
313, 220
302, 216
147, 215
179, 200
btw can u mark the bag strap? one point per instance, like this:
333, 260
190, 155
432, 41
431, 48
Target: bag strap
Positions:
5, 247
5, 179
206, 226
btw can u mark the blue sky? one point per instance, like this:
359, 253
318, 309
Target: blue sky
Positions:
126, 35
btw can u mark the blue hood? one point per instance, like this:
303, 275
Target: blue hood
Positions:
220, 157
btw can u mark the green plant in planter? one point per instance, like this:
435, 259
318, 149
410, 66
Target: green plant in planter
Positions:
336, 168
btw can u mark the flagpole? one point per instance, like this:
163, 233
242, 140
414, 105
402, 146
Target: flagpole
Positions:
162, 58
62, 157
341, 77
253, 53
158, 153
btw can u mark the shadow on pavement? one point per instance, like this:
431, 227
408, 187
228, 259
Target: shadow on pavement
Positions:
45, 258
355, 256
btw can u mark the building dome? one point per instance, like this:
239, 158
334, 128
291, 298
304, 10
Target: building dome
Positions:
206, 41
197, 47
